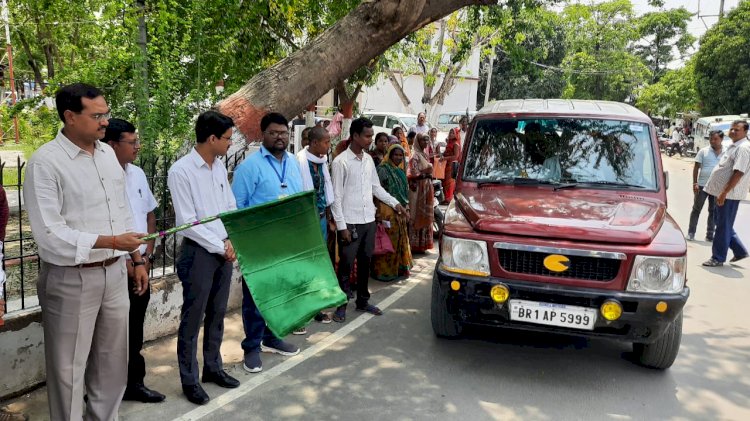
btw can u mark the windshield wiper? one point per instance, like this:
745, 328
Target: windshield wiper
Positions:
565, 186
612, 183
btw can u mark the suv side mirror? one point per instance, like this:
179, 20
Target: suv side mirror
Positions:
666, 180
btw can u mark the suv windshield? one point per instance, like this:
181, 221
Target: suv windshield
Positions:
567, 150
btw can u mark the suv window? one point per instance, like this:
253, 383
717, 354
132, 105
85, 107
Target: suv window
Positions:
391, 122
377, 120
568, 150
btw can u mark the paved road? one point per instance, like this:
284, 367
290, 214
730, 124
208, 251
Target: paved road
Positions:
393, 368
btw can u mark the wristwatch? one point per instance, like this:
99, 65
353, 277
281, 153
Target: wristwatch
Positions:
141, 263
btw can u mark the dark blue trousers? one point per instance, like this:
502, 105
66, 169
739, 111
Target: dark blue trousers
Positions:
725, 237
254, 324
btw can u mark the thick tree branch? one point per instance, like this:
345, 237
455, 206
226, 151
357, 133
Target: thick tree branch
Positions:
399, 89
304, 76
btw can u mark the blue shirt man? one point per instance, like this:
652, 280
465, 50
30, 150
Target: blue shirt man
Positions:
267, 175
705, 162
260, 177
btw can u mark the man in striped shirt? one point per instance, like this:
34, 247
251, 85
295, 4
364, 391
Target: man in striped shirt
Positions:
729, 184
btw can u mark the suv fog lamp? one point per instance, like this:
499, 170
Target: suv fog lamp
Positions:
499, 293
455, 285
611, 310
661, 306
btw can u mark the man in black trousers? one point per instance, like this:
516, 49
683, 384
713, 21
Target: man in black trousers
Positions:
121, 136
200, 189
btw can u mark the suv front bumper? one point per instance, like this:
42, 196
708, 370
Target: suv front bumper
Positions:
640, 322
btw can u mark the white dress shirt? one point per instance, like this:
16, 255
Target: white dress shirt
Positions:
72, 198
355, 181
199, 192
142, 201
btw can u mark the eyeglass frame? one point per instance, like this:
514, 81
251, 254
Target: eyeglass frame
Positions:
99, 117
276, 134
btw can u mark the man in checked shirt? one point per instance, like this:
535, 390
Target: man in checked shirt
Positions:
729, 183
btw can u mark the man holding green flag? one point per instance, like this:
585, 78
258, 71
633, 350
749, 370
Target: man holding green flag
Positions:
265, 176
200, 189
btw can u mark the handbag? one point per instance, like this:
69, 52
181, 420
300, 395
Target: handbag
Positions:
438, 168
383, 243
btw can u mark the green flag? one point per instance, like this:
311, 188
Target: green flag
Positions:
284, 260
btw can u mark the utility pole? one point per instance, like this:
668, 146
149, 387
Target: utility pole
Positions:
9, 49
721, 9
140, 82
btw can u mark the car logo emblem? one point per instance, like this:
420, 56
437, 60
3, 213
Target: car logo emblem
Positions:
557, 263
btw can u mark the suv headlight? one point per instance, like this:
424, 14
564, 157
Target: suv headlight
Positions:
468, 257
657, 274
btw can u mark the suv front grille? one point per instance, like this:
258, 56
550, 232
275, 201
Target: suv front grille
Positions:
581, 267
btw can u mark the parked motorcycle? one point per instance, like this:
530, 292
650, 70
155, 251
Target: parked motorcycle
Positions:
437, 221
684, 147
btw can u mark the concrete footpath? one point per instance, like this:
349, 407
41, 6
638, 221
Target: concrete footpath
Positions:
163, 373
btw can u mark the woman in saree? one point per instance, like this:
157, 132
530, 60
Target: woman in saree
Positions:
398, 131
421, 197
452, 154
392, 175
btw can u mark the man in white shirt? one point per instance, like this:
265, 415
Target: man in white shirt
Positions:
121, 136
463, 125
421, 127
75, 197
355, 182
200, 188
729, 183
705, 161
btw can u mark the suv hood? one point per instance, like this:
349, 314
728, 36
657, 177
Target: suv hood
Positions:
600, 216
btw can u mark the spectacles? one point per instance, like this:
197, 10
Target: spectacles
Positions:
100, 116
282, 135
226, 138
136, 143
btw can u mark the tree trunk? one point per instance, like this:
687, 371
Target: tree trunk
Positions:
304, 76
32, 63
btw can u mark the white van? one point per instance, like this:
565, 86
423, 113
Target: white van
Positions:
705, 125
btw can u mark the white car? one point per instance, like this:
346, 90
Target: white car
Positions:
447, 121
386, 121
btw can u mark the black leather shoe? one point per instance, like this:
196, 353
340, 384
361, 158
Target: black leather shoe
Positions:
195, 394
141, 393
221, 378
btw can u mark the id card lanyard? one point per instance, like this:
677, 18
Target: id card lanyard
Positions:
281, 175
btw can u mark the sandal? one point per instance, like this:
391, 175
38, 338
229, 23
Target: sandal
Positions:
369, 308
339, 316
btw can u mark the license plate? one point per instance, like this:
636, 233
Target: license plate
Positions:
552, 314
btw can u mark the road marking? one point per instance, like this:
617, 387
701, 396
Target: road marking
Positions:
265, 376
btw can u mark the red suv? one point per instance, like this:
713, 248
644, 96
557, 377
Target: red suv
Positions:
559, 224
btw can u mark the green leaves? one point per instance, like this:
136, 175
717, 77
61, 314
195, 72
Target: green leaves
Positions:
722, 66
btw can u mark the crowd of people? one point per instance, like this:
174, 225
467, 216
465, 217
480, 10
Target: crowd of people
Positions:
90, 207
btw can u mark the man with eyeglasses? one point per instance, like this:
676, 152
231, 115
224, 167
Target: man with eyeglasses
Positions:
121, 136
269, 174
200, 188
75, 198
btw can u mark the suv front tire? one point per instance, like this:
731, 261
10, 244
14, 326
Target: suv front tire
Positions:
661, 353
